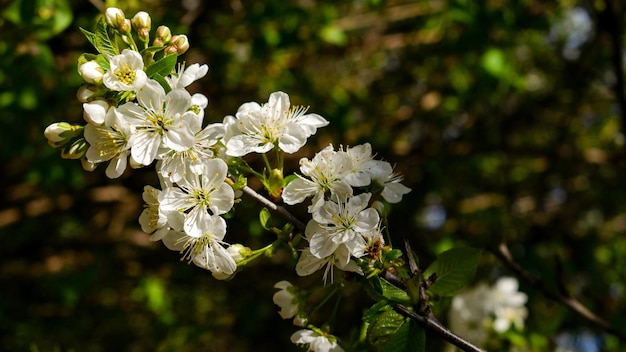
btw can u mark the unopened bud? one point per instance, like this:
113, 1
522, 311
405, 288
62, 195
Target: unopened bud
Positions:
86, 93
61, 133
88, 165
141, 23
95, 111
179, 45
75, 150
301, 321
163, 36
91, 72
115, 18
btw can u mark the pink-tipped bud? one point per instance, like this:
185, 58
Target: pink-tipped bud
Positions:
179, 45
163, 36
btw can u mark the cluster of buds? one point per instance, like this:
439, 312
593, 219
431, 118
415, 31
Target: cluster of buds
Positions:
68, 138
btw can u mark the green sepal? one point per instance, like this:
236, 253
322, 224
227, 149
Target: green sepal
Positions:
393, 255
264, 218
454, 269
288, 179
103, 62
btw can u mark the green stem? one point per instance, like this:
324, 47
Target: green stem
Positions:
257, 253
267, 162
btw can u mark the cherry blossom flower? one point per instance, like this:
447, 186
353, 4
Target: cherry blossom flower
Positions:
316, 341
340, 258
160, 121
186, 76
206, 250
286, 299
260, 128
342, 222
361, 165
152, 219
199, 198
110, 141
327, 172
126, 72
175, 165
393, 190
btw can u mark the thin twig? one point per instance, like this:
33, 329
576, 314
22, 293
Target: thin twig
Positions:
502, 253
432, 325
275, 207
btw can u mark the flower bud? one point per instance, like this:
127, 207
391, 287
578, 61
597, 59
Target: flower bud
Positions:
163, 36
75, 150
179, 45
87, 165
301, 321
95, 111
61, 133
91, 72
115, 18
86, 93
141, 23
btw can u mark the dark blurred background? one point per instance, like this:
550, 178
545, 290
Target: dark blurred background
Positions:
506, 118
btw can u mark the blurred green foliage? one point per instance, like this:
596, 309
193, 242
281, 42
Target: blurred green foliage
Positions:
503, 117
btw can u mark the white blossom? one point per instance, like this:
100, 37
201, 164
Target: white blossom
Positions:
340, 258
126, 72
160, 121
206, 249
326, 174
286, 299
342, 222
316, 341
361, 164
393, 190
152, 219
259, 128
199, 198
110, 141
185, 76
175, 164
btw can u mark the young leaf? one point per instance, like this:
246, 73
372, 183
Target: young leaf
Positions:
103, 41
166, 86
162, 67
383, 326
454, 269
408, 338
264, 217
385, 289
91, 37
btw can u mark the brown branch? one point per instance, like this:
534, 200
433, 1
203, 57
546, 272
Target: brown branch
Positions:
276, 208
424, 316
430, 324
502, 253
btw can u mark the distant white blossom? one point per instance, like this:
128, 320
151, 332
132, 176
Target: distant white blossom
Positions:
316, 341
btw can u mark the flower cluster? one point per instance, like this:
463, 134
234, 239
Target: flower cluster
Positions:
483, 308
138, 112
344, 225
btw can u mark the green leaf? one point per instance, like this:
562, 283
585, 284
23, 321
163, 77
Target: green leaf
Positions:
162, 67
91, 37
408, 338
264, 217
454, 269
383, 326
288, 179
385, 289
166, 86
103, 41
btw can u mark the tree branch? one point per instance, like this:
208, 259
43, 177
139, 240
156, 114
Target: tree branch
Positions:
502, 253
432, 325
276, 208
